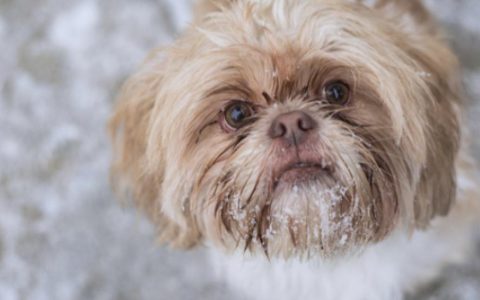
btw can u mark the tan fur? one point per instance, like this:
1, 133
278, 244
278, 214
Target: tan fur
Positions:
394, 150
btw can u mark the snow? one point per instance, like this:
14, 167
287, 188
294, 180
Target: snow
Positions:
62, 234
74, 29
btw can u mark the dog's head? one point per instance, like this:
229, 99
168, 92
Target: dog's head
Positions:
293, 129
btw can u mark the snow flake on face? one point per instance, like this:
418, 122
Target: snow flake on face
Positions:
343, 240
424, 74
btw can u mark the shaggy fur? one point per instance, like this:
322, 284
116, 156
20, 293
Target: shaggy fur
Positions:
390, 156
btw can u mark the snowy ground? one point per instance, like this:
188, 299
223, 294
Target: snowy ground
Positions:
62, 235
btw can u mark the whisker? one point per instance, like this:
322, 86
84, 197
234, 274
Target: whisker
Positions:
238, 141
263, 226
249, 199
249, 238
224, 218
267, 98
245, 186
214, 161
292, 233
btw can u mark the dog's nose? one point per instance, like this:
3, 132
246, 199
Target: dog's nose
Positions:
292, 127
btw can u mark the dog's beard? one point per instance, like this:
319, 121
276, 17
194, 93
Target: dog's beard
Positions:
315, 217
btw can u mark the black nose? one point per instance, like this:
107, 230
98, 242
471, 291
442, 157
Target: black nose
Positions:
292, 127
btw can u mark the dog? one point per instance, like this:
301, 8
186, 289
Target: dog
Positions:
316, 147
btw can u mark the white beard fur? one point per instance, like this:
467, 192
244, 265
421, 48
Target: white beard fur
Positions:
402, 263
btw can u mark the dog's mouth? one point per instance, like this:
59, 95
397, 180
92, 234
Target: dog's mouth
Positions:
300, 172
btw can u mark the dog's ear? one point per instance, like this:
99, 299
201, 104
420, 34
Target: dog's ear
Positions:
438, 70
131, 173
437, 189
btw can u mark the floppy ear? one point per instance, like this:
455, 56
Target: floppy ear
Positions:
129, 129
437, 189
438, 71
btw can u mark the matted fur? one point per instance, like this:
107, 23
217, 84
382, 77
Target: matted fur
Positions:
392, 150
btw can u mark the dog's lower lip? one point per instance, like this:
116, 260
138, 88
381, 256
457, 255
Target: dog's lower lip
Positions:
301, 171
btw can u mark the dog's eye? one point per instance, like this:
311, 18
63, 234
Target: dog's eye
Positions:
337, 93
237, 114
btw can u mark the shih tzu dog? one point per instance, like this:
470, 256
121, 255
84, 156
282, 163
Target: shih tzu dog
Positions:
315, 146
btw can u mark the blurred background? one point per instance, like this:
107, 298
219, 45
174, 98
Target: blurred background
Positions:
62, 234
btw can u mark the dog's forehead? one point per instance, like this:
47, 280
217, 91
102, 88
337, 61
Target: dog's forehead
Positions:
283, 58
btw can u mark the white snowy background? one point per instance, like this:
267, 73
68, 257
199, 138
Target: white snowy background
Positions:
62, 234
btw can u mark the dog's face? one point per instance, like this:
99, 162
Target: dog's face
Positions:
292, 129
